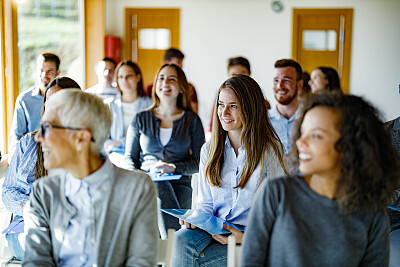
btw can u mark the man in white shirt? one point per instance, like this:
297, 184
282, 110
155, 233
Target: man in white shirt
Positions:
105, 74
287, 84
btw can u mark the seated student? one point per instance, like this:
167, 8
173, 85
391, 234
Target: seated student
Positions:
26, 166
244, 149
333, 213
393, 127
28, 106
324, 79
236, 66
175, 56
126, 105
105, 74
167, 138
93, 214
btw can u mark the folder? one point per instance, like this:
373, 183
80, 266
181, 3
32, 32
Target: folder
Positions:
203, 220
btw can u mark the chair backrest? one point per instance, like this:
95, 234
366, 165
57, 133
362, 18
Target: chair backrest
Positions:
234, 252
165, 249
195, 189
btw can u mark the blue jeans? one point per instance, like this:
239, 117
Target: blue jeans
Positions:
175, 194
394, 259
13, 243
195, 247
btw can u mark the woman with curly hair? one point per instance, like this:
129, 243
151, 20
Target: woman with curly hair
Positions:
333, 213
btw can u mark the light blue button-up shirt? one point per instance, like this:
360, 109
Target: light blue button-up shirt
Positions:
226, 202
283, 127
78, 247
27, 115
20, 175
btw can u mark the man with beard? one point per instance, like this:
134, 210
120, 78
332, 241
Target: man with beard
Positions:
28, 106
287, 84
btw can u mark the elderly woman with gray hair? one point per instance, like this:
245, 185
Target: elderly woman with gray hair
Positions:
93, 214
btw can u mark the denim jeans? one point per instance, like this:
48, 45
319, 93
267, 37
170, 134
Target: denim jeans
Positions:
13, 243
195, 247
175, 194
394, 259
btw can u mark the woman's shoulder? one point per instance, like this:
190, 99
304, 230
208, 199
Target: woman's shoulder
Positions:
281, 183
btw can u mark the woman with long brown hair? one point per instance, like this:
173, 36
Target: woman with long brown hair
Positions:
167, 138
125, 105
244, 149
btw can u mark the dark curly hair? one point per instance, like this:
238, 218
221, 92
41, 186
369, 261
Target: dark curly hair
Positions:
370, 170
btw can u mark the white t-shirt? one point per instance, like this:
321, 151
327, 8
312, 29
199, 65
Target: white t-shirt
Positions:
165, 135
129, 110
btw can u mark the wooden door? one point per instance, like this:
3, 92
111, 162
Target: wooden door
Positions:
148, 33
322, 37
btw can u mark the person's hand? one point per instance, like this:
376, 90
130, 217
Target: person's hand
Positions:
163, 167
186, 224
224, 239
112, 145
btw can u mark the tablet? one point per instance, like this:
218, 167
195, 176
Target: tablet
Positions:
203, 220
158, 177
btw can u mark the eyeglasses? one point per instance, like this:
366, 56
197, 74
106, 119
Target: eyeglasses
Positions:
45, 126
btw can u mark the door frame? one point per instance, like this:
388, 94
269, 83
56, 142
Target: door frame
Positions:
347, 14
130, 34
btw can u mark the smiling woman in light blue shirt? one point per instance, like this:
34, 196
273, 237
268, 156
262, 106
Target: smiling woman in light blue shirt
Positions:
244, 149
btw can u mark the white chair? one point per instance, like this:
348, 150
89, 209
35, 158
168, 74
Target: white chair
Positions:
195, 189
165, 249
234, 252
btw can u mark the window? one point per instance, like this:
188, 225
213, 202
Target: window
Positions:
49, 26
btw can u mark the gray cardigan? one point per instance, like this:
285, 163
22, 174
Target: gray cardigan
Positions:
393, 127
144, 148
126, 224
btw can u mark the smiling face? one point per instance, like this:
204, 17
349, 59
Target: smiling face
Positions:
105, 73
127, 79
317, 82
57, 145
46, 71
286, 85
228, 112
316, 146
167, 85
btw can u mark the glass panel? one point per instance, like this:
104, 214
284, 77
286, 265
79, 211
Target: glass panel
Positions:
52, 26
154, 39
331, 42
314, 40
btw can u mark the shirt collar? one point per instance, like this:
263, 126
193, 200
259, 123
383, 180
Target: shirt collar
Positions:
276, 115
36, 91
93, 181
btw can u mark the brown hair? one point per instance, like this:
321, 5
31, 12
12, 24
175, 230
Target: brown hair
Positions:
63, 83
136, 69
257, 135
183, 101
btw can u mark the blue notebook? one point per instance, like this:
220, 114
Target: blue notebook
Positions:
158, 177
203, 220
15, 227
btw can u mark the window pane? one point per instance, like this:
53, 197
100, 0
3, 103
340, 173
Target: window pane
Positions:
49, 26
314, 40
154, 39
331, 42
319, 40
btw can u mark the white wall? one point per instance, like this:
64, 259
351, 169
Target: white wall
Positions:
214, 30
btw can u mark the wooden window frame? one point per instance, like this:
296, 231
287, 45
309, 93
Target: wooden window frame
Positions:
94, 34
